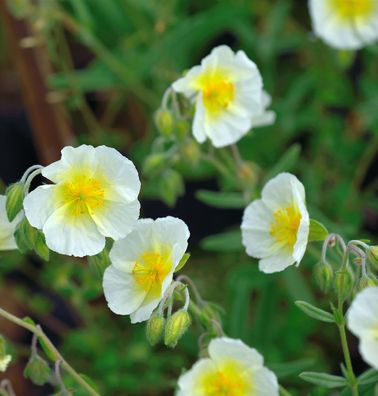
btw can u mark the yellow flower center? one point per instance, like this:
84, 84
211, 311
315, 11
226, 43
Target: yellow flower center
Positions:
349, 9
285, 226
218, 92
228, 380
84, 194
151, 269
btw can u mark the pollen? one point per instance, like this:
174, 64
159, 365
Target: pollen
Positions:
151, 269
350, 9
229, 379
285, 226
218, 92
83, 194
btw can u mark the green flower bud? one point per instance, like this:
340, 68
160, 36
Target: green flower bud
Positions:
323, 273
191, 152
182, 128
367, 281
176, 327
344, 283
155, 329
15, 199
164, 121
373, 256
154, 163
37, 370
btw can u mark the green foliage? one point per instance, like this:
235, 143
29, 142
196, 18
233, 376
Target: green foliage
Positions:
323, 379
318, 232
37, 370
15, 198
314, 312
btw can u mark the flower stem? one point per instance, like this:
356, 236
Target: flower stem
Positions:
55, 354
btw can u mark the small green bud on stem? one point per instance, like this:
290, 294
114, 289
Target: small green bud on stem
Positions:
155, 329
323, 275
344, 283
176, 327
15, 199
372, 256
164, 121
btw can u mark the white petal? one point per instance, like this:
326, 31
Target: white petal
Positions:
125, 251
362, 315
121, 292
369, 349
256, 238
304, 225
221, 348
278, 192
40, 204
144, 311
264, 119
368, 29
116, 219
199, 120
77, 236
120, 173
73, 158
7, 241
187, 85
265, 382
188, 382
276, 263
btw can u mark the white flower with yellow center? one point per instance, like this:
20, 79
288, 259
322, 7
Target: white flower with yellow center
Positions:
345, 24
142, 266
227, 91
7, 228
232, 369
94, 196
362, 319
275, 228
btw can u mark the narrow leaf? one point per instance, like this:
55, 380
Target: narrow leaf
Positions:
314, 312
368, 377
223, 200
182, 262
323, 379
318, 232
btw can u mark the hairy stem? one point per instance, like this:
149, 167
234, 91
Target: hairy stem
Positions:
37, 330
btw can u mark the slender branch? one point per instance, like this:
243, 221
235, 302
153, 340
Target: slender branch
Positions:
37, 330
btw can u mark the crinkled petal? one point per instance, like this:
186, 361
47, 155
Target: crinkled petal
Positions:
74, 236
265, 382
369, 349
276, 263
121, 292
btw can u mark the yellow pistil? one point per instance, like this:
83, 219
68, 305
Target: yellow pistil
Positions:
285, 226
84, 194
218, 92
228, 380
151, 269
350, 9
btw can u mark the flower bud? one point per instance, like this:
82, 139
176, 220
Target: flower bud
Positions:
37, 370
367, 281
164, 122
191, 152
15, 199
372, 255
154, 163
155, 329
176, 327
4, 358
323, 273
344, 283
247, 173
182, 128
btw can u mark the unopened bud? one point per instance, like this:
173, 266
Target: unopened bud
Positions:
247, 173
191, 152
323, 275
372, 255
154, 163
367, 281
176, 327
15, 199
165, 122
344, 283
37, 370
155, 329
182, 128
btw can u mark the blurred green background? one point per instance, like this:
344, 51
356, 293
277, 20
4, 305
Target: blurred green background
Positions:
106, 65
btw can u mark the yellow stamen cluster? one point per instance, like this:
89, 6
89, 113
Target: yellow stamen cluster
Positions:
285, 226
349, 9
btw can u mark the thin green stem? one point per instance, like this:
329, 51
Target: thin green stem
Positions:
283, 391
37, 330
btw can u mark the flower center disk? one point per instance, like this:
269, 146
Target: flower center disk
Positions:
349, 9
285, 226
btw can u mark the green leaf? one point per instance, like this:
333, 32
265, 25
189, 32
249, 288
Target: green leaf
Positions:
25, 236
318, 232
15, 199
286, 163
368, 377
182, 262
29, 320
229, 241
323, 379
223, 200
37, 370
288, 369
314, 312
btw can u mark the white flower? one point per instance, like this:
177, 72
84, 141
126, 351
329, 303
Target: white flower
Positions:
94, 196
264, 117
7, 228
4, 362
362, 319
142, 266
345, 24
275, 228
227, 91
232, 369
